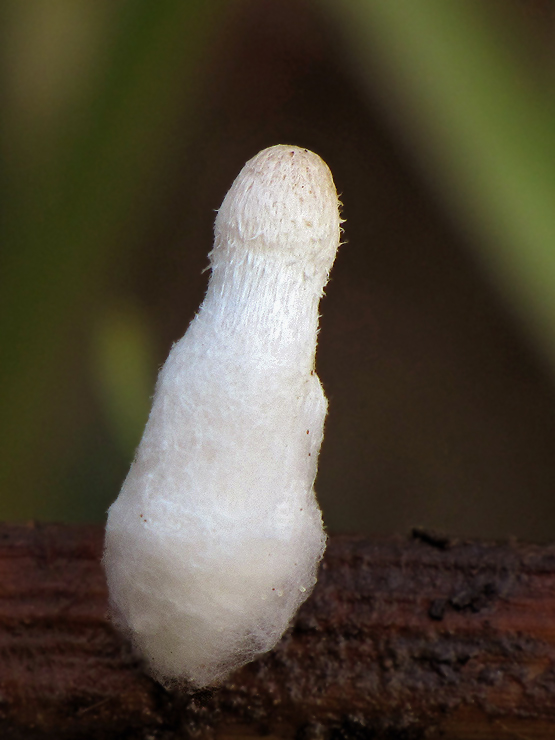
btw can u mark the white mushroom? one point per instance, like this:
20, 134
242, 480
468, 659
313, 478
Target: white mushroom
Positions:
216, 536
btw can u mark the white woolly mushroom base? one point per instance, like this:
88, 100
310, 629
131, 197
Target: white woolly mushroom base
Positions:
204, 580
216, 536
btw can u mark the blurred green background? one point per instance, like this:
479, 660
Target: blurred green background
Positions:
124, 124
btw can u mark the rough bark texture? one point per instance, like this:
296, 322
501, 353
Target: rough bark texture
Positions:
403, 638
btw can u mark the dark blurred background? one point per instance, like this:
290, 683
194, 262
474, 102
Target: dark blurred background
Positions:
124, 125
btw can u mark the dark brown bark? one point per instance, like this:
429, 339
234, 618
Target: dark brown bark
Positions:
402, 638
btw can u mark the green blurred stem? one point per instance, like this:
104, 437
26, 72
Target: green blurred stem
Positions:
481, 122
123, 368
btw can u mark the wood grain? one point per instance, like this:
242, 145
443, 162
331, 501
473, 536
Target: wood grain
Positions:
417, 637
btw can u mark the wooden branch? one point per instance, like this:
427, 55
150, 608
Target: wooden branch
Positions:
402, 638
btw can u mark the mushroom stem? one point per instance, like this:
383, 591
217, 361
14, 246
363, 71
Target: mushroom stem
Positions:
265, 309
216, 536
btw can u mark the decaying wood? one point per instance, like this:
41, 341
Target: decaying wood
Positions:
402, 638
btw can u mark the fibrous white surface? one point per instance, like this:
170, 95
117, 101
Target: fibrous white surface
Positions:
215, 538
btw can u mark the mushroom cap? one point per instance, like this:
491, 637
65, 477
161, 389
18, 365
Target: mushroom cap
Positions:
284, 204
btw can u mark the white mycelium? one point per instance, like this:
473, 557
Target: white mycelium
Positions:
216, 536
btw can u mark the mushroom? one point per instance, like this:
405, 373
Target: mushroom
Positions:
215, 538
